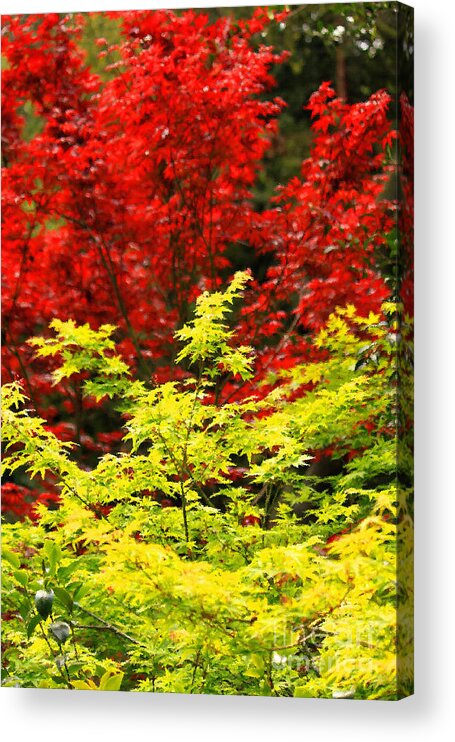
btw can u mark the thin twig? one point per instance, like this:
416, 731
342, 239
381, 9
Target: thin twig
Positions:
106, 626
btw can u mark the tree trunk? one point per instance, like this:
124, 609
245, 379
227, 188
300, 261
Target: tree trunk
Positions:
340, 72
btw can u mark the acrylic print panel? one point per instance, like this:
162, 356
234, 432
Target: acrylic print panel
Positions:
207, 356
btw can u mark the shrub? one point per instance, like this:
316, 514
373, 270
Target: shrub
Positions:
179, 564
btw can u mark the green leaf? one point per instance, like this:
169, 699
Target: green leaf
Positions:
301, 691
110, 681
21, 577
32, 624
53, 553
24, 609
256, 667
11, 557
80, 591
65, 598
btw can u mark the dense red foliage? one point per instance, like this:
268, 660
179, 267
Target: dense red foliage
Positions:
20, 502
136, 195
406, 212
326, 227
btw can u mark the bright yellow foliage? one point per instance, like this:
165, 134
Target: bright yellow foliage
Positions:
228, 591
